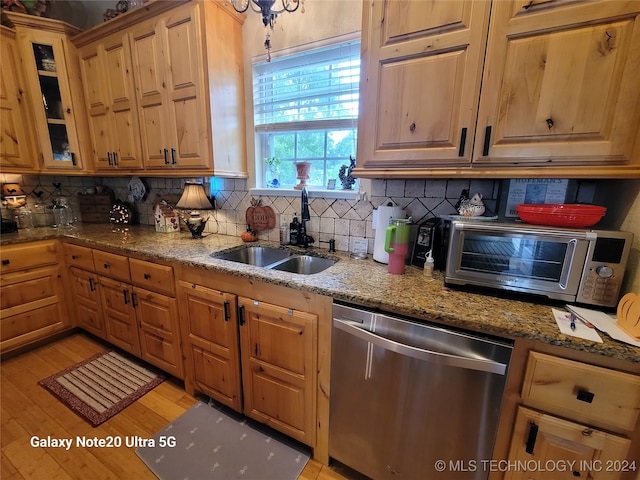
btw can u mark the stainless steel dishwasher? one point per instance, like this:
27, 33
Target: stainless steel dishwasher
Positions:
405, 395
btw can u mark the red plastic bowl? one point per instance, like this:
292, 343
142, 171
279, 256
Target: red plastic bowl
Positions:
561, 214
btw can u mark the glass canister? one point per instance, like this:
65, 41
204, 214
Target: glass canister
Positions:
62, 213
24, 217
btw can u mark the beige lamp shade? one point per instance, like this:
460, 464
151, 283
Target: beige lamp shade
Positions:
194, 198
12, 190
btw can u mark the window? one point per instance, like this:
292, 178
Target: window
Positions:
306, 108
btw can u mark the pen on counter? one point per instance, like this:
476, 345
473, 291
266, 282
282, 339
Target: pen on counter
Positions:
572, 319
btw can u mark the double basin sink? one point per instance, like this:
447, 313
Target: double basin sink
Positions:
277, 259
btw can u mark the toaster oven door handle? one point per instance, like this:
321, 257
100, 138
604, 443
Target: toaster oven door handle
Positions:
442, 358
568, 262
522, 230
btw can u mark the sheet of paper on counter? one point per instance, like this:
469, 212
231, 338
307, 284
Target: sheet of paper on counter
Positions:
563, 319
605, 323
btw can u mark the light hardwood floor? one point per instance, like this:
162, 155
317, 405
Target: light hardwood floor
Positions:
28, 410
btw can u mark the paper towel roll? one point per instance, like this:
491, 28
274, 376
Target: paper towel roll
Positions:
381, 217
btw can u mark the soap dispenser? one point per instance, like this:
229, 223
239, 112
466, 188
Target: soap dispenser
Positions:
284, 230
294, 229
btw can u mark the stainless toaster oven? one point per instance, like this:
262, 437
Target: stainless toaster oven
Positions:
572, 265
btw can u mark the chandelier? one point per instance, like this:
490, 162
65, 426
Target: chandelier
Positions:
269, 15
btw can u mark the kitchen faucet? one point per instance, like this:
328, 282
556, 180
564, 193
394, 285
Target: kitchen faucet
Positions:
303, 239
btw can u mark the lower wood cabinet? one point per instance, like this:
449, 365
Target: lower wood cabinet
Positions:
130, 304
119, 315
32, 295
563, 449
278, 349
87, 303
576, 414
255, 357
210, 342
158, 330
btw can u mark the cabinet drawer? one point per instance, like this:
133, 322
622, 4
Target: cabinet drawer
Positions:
158, 278
111, 265
77, 256
582, 392
28, 255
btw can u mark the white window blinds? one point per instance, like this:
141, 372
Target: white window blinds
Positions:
317, 89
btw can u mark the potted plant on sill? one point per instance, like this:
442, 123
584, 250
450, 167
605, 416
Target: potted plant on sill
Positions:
302, 169
272, 171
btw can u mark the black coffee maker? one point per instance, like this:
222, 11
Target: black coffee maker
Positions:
428, 238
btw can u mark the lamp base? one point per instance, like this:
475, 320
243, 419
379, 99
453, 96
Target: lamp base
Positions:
197, 228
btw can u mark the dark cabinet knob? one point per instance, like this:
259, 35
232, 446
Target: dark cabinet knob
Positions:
6, 261
146, 276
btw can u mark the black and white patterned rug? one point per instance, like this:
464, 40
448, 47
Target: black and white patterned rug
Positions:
206, 443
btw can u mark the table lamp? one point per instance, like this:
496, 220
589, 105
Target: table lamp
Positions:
194, 199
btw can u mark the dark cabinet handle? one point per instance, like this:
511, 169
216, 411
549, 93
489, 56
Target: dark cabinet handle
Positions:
73, 257
133, 300
91, 287
109, 158
550, 123
487, 141
241, 315
146, 276
115, 158
125, 294
585, 396
73, 159
6, 261
463, 142
531, 439
412, 127
106, 265
165, 152
227, 315
173, 156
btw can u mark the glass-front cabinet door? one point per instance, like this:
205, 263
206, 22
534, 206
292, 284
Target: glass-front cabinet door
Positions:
53, 87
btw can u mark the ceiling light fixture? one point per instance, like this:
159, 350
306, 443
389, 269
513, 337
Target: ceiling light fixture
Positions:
269, 15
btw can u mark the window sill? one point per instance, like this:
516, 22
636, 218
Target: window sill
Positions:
315, 193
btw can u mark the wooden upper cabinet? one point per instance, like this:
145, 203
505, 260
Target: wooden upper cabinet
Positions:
107, 78
420, 82
15, 143
168, 65
499, 89
560, 83
53, 84
173, 80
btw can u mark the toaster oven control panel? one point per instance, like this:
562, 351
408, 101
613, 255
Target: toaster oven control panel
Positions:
603, 273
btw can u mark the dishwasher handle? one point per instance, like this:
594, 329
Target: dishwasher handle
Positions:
469, 363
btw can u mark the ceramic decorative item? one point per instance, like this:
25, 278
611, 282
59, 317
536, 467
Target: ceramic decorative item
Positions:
137, 190
120, 213
345, 176
165, 218
302, 168
474, 207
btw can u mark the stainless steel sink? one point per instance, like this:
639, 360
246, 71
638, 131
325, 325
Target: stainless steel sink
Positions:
304, 264
277, 259
259, 256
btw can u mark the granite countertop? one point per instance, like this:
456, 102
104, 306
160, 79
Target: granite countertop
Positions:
361, 282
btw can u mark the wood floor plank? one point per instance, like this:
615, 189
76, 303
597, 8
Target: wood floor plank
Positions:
27, 409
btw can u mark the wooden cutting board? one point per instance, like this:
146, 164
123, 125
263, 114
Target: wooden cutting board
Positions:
629, 314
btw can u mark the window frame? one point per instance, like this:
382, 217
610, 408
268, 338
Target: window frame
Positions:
263, 133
